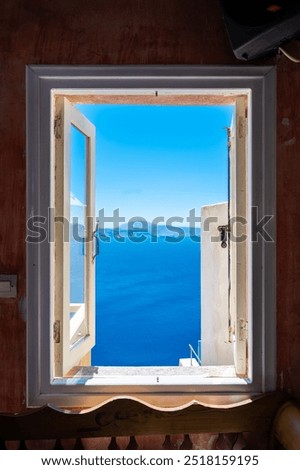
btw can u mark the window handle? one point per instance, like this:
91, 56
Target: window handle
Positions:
223, 229
97, 244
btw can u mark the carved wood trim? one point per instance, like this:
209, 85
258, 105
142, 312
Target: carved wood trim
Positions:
127, 417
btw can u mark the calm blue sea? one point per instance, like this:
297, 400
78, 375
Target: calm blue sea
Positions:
147, 302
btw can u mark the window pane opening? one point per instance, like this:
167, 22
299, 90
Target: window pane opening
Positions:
77, 235
159, 171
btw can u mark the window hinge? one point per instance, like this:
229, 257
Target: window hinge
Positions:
56, 331
243, 329
242, 127
57, 126
229, 137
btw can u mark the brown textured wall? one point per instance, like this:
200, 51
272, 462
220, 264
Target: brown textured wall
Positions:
288, 211
129, 32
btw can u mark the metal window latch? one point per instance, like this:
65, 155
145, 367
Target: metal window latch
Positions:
97, 243
223, 229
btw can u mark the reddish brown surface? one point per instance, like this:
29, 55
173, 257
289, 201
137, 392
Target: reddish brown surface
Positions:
129, 32
288, 203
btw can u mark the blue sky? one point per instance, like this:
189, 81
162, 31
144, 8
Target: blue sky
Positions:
158, 160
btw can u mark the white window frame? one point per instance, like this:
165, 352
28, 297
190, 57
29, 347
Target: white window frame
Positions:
43, 83
65, 356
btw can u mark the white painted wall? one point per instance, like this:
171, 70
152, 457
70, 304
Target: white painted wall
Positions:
215, 348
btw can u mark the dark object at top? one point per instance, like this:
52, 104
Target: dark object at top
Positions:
259, 27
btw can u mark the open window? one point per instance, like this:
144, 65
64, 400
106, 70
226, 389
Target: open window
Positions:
239, 288
74, 268
235, 355
225, 255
